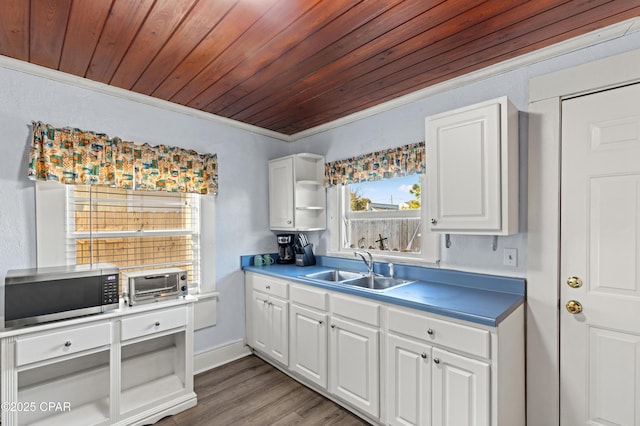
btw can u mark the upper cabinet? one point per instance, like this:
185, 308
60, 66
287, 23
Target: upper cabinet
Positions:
297, 198
472, 169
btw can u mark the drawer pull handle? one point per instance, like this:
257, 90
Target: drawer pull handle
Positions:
157, 324
423, 355
436, 360
67, 343
430, 332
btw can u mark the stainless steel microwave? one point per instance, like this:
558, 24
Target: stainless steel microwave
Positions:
33, 296
154, 285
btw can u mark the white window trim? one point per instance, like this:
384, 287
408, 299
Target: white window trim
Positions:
430, 242
51, 238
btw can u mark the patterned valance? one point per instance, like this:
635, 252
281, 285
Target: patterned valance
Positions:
402, 161
74, 156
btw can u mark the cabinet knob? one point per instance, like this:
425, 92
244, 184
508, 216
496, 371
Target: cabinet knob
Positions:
430, 332
268, 287
320, 322
436, 360
433, 221
333, 326
157, 324
288, 222
423, 355
67, 343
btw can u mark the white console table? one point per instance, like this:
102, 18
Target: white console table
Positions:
125, 367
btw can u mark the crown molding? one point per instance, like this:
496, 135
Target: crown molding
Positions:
595, 37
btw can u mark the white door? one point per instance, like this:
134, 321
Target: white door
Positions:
461, 390
309, 344
463, 159
281, 193
278, 346
408, 382
260, 335
354, 365
600, 255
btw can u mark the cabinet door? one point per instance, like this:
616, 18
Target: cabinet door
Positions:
463, 164
278, 346
260, 335
309, 344
461, 390
354, 365
408, 382
281, 194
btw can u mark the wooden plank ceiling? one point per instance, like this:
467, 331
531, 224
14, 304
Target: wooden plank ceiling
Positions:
288, 65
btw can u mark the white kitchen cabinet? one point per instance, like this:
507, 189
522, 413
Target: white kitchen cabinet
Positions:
129, 366
308, 342
354, 360
442, 372
156, 360
408, 382
297, 197
425, 369
461, 390
269, 317
472, 169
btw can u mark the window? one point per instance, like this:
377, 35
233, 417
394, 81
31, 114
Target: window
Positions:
134, 230
385, 217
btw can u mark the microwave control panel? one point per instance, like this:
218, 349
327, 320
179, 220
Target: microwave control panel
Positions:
110, 289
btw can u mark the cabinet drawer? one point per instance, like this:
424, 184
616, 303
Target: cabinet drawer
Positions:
154, 322
271, 286
472, 340
357, 309
60, 343
309, 297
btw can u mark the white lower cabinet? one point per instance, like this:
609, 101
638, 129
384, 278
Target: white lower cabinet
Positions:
308, 344
461, 390
354, 367
120, 369
427, 369
268, 316
408, 382
271, 326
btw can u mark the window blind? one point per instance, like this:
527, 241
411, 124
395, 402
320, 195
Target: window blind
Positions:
135, 230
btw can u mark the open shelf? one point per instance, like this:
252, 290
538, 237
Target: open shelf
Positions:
150, 373
81, 397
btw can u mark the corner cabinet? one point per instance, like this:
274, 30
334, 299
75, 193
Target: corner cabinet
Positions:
297, 197
472, 169
133, 366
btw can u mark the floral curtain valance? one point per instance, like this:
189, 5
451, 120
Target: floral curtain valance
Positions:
402, 161
74, 156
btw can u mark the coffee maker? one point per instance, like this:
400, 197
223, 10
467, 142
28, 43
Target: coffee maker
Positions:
285, 248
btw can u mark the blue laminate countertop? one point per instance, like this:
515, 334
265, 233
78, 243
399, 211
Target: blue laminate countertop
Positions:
480, 298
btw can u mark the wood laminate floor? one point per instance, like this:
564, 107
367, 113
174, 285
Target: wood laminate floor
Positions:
251, 392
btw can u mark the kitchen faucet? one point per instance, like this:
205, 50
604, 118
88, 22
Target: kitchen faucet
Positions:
369, 262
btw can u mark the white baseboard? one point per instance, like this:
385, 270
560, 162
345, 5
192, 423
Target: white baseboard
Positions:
216, 357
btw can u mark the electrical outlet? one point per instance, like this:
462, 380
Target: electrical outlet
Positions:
510, 257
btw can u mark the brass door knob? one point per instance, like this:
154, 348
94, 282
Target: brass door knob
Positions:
573, 307
574, 282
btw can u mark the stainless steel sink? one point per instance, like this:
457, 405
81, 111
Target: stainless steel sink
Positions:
357, 279
376, 283
334, 275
